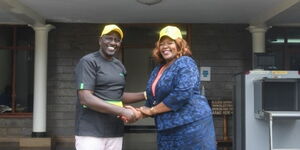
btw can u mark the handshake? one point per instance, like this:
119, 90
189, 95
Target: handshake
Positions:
131, 114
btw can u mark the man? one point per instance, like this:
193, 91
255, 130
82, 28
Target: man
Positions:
100, 81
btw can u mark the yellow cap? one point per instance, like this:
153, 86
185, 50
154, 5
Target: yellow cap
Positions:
170, 31
112, 27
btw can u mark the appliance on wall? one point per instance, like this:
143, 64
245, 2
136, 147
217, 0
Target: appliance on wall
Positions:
267, 61
267, 109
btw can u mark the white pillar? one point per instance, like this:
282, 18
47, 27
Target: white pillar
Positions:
40, 80
258, 38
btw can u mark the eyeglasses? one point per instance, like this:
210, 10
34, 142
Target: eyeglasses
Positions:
109, 38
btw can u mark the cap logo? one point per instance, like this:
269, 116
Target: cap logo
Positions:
170, 31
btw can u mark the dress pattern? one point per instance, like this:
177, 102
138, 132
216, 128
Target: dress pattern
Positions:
190, 118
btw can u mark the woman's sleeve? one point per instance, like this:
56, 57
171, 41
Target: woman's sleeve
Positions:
186, 79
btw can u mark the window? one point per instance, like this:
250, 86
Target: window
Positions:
16, 65
284, 42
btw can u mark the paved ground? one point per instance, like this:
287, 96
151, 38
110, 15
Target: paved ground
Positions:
15, 146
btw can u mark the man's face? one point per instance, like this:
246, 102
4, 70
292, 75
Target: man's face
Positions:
110, 44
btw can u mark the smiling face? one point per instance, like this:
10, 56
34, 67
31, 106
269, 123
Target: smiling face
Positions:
110, 44
168, 49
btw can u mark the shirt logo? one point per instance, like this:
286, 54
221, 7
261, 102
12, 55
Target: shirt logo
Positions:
81, 85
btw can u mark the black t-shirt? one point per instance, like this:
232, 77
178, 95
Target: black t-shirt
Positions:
107, 80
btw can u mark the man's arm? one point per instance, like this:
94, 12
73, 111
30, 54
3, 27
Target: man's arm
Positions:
87, 98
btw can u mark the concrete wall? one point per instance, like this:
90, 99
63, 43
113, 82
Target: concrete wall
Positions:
67, 43
226, 48
15, 127
223, 47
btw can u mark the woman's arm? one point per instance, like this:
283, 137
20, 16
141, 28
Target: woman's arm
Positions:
159, 108
129, 98
185, 81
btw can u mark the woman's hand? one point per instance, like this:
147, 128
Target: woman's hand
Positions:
147, 111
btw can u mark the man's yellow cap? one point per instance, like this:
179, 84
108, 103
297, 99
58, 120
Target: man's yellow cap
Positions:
170, 31
112, 27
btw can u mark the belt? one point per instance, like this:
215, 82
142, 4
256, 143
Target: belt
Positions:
114, 102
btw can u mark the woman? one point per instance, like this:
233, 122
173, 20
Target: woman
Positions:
182, 115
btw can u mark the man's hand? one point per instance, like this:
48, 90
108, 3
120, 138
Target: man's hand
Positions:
137, 113
127, 115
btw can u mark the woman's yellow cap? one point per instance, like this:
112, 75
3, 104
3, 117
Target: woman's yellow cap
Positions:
112, 27
170, 31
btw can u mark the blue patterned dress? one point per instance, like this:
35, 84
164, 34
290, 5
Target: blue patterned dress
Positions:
189, 125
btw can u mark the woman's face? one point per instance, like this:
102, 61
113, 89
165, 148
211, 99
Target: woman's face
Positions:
168, 49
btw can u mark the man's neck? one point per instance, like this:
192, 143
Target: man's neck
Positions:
110, 58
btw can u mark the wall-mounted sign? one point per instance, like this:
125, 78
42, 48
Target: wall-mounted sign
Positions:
222, 107
205, 73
